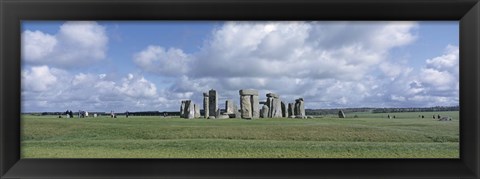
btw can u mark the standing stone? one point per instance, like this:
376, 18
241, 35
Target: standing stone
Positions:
185, 109
182, 109
270, 106
296, 109
190, 110
229, 107
246, 107
235, 110
217, 114
274, 105
302, 108
299, 108
197, 111
213, 102
276, 108
341, 114
291, 107
255, 107
205, 105
249, 104
278, 111
264, 111
284, 110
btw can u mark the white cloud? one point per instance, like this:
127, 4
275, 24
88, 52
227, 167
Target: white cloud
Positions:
171, 62
49, 89
137, 87
442, 72
329, 64
37, 45
77, 44
38, 78
436, 84
298, 49
446, 62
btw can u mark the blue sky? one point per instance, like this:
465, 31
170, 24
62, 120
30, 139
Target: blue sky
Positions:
153, 65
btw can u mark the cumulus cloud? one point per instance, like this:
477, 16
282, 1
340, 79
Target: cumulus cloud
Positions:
37, 45
50, 89
38, 78
328, 62
435, 84
441, 74
77, 43
171, 62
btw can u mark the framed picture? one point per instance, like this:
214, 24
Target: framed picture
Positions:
239, 89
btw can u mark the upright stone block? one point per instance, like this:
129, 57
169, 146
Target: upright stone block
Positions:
270, 106
277, 111
291, 107
284, 109
255, 106
246, 107
237, 113
197, 111
213, 102
229, 109
302, 108
182, 109
274, 105
341, 114
205, 105
299, 108
190, 110
249, 104
264, 112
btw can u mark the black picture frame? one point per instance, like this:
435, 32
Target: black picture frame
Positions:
12, 12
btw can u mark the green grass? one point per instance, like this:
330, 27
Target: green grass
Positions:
369, 136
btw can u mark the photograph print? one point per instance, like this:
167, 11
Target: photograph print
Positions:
240, 89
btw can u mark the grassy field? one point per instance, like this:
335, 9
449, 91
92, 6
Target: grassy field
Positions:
368, 136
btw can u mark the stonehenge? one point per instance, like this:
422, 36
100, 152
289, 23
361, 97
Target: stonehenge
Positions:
250, 108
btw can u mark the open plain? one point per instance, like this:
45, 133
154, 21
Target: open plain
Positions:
369, 135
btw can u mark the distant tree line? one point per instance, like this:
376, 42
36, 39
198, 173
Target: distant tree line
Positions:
335, 111
379, 110
307, 111
429, 109
138, 113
